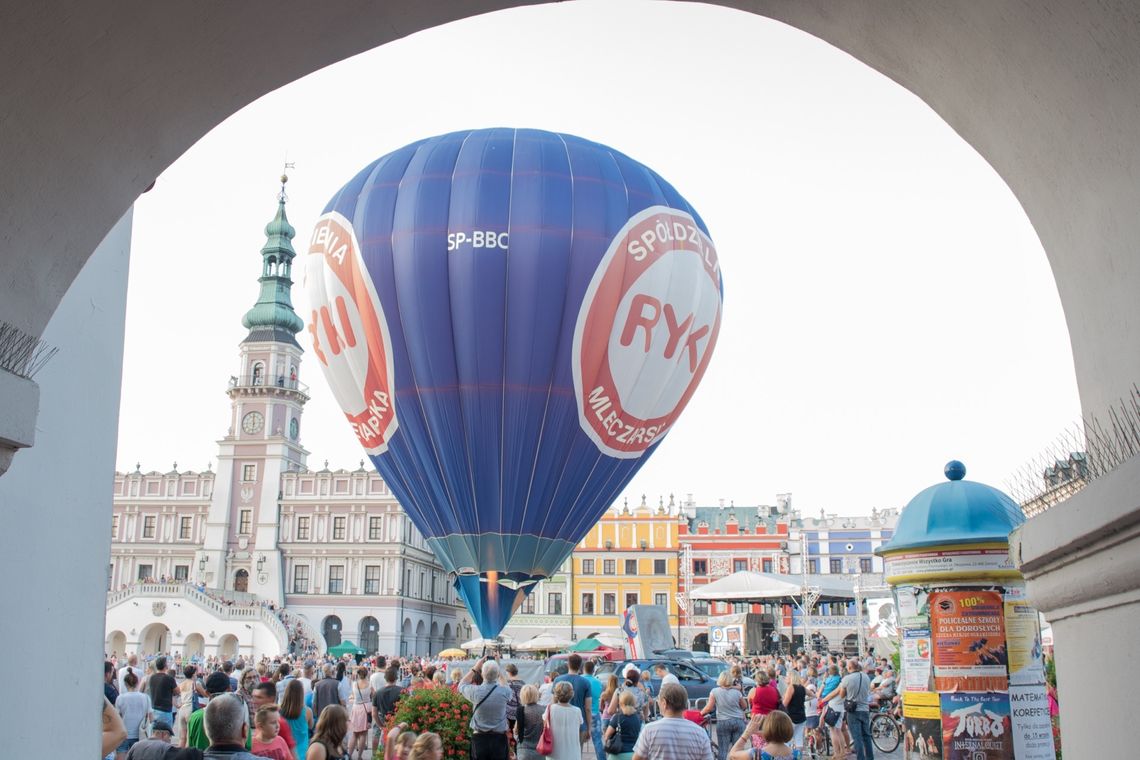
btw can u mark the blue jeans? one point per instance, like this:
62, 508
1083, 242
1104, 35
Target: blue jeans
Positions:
727, 732
859, 723
596, 735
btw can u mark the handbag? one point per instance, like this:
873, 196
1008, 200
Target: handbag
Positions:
852, 704
546, 741
613, 745
831, 717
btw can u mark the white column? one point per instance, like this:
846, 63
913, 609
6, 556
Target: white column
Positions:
48, 517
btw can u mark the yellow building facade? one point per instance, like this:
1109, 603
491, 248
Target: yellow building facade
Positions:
629, 557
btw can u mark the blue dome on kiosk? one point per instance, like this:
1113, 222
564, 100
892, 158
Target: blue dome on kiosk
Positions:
956, 512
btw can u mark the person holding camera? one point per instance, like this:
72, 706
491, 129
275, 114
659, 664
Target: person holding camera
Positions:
489, 718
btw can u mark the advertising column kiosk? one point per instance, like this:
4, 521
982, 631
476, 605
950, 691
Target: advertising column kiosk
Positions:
973, 677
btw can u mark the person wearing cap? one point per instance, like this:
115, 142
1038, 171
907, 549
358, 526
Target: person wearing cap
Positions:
158, 746
217, 684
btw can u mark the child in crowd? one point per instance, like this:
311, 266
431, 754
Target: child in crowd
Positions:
266, 740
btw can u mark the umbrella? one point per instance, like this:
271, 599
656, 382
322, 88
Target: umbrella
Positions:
452, 653
586, 645
345, 647
543, 642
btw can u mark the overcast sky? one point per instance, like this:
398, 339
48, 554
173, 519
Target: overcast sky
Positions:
887, 304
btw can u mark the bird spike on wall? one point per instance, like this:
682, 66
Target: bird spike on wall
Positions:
22, 354
1083, 452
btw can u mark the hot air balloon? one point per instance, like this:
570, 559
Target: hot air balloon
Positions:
511, 321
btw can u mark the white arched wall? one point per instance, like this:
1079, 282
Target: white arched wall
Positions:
99, 97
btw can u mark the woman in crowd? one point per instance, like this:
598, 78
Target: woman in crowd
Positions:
729, 705
632, 684
328, 737
428, 746
298, 716
400, 743
344, 684
795, 698
777, 732
528, 723
627, 723
546, 691
134, 708
765, 698
361, 712
566, 722
607, 697
833, 713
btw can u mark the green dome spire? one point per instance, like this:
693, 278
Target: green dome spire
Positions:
272, 318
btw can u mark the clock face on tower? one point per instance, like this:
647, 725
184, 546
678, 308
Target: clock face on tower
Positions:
253, 422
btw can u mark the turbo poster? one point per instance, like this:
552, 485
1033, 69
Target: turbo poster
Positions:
976, 727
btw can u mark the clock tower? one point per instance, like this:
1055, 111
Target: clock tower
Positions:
240, 552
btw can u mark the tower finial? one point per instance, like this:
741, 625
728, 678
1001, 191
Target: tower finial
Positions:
281, 196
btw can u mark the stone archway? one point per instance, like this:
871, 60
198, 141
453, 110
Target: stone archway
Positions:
448, 637
116, 644
228, 646
331, 627
194, 645
241, 580
154, 639
369, 635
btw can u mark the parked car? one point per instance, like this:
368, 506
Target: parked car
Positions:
695, 681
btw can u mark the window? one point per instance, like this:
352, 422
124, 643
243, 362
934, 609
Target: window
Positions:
609, 604
145, 571
374, 528
631, 599
739, 564
148, 526
336, 579
700, 567
554, 603
587, 604
631, 567
813, 566
185, 525
587, 567
302, 529
865, 565
245, 518
767, 565
372, 579
661, 600
659, 567
114, 525
527, 607
338, 528
739, 607
836, 566
609, 566
248, 472
301, 579
700, 607
421, 585
181, 572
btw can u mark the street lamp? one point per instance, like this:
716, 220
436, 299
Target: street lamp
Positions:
202, 565
260, 563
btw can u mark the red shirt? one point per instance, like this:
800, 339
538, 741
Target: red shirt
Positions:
275, 750
765, 699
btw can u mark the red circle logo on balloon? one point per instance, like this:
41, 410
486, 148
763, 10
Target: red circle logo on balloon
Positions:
349, 332
646, 330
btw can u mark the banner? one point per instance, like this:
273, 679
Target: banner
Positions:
1023, 635
934, 564
916, 660
1032, 728
882, 619
922, 737
914, 606
925, 704
976, 727
968, 628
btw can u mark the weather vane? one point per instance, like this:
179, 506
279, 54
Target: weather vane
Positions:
281, 196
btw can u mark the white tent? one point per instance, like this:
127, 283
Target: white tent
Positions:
749, 586
543, 642
503, 640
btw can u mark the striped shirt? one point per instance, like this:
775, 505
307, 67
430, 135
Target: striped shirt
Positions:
673, 739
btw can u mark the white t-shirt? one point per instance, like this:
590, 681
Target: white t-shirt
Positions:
133, 707
670, 678
307, 683
376, 680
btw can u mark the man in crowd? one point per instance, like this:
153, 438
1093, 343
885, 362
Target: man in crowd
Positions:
217, 684
384, 699
595, 705
672, 737
161, 687
109, 690
856, 687
132, 664
326, 692
157, 747
582, 699
489, 718
227, 726
664, 675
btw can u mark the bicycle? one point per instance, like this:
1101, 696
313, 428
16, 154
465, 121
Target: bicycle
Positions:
817, 743
886, 731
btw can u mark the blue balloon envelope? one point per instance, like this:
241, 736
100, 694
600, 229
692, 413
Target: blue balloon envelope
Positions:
511, 321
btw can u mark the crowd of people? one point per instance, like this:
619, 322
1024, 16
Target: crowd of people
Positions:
308, 707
